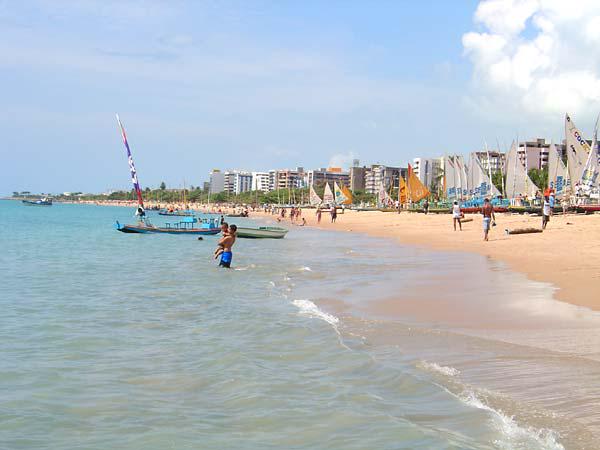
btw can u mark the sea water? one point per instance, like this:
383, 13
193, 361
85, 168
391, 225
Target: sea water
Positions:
320, 340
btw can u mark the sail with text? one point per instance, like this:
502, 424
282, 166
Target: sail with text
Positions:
461, 175
402, 191
450, 177
589, 177
518, 182
417, 191
314, 199
134, 179
577, 151
557, 172
480, 185
328, 195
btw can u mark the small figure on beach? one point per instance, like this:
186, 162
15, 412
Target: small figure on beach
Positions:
426, 207
457, 214
227, 242
333, 214
220, 247
488, 217
546, 211
565, 205
319, 213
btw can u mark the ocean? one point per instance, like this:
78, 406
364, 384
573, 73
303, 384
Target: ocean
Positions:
322, 340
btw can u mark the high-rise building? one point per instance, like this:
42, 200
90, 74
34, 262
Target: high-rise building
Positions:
534, 154
491, 161
357, 178
260, 181
286, 179
217, 181
430, 171
319, 177
237, 181
379, 175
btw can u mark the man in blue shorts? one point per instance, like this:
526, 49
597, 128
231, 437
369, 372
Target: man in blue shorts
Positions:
227, 243
488, 217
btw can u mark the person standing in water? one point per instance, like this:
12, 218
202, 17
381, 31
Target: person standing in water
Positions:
227, 243
488, 217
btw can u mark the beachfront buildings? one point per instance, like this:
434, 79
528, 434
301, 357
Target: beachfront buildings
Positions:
379, 175
357, 178
217, 181
286, 179
260, 181
430, 171
237, 181
329, 175
491, 161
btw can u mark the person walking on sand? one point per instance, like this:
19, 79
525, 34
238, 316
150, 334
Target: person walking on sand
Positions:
488, 217
333, 214
456, 215
227, 242
319, 215
546, 211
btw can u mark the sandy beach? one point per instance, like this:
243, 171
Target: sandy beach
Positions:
567, 254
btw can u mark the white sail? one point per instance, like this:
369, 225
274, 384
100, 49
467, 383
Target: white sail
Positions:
480, 185
557, 172
517, 180
577, 151
589, 177
461, 176
450, 174
384, 197
314, 199
328, 195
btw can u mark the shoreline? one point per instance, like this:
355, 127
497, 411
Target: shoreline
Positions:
566, 254
563, 255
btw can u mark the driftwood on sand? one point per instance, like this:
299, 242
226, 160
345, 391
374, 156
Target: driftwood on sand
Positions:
523, 230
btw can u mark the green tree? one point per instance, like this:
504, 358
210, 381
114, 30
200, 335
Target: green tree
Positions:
163, 186
539, 177
498, 180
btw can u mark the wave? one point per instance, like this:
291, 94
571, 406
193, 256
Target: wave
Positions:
308, 308
433, 367
512, 434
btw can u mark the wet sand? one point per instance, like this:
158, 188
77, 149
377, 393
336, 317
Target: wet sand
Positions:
567, 254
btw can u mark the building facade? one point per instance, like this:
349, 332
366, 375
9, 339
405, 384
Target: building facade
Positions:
286, 179
430, 172
357, 178
379, 175
237, 181
491, 161
260, 181
216, 181
319, 177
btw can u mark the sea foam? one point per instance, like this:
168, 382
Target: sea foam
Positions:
308, 308
433, 367
512, 434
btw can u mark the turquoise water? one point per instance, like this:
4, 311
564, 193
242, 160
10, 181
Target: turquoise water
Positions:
124, 341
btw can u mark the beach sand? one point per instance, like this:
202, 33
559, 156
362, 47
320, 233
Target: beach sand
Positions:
566, 254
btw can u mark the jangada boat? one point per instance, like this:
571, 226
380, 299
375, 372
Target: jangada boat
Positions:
184, 213
261, 233
40, 202
187, 226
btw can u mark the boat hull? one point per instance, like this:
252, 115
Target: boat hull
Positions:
37, 203
144, 229
261, 233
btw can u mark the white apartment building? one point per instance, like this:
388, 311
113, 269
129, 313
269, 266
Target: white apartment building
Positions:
430, 171
237, 181
260, 181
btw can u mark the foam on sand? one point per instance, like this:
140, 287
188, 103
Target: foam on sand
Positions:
436, 368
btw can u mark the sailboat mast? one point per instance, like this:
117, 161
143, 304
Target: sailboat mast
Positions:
134, 177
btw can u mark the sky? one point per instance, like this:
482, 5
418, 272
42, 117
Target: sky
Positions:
260, 85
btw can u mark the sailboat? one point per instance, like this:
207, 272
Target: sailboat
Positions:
577, 151
342, 195
557, 173
517, 181
328, 198
186, 226
314, 199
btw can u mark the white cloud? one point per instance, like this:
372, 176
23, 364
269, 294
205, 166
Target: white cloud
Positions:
343, 160
537, 57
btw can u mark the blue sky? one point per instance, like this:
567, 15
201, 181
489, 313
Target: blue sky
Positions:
254, 85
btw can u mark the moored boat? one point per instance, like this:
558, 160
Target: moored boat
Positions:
182, 228
261, 232
40, 202
178, 213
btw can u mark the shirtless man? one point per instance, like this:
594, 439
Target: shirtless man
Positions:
227, 242
488, 216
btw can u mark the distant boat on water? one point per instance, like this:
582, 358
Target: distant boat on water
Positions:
40, 202
261, 233
180, 213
